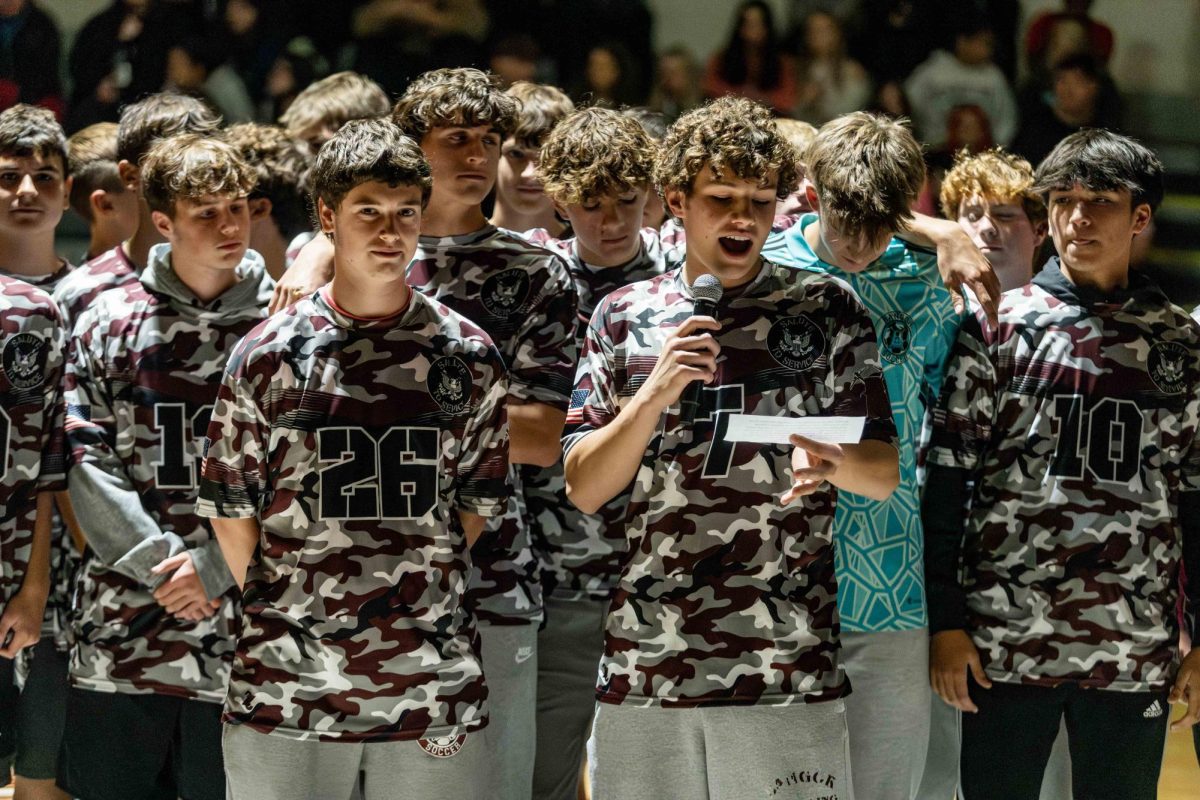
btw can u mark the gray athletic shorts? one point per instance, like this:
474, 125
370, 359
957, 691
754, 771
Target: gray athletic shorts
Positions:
569, 650
260, 766
38, 711
509, 654
887, 712
796, 752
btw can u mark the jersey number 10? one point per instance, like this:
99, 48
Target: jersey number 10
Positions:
1108, 445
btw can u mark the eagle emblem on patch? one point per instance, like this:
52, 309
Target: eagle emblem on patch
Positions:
443, 746
449, 384
24, 361
505, 293
895, 337
1166, 366
796, 342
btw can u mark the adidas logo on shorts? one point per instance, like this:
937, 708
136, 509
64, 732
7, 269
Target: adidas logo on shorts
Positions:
1155, 710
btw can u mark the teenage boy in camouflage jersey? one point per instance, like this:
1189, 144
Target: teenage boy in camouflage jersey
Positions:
991, 195
522, 295
153, 625
142, 124
862, 204
721, 672
1076, 420
596, 166
34, 191
32, 345
347, 479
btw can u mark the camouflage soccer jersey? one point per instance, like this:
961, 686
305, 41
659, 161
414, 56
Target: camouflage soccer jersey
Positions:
1077, 419
580, 554
355, 442
523, 298
146, 363
880, 544
725, 596
64, 556
75, 292
32, 351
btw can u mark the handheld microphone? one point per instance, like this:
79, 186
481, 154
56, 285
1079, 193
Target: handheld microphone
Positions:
706, 293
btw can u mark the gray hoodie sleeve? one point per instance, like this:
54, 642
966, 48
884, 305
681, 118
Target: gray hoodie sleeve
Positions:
119, 530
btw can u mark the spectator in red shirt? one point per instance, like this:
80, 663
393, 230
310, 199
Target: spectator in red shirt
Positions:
29, 48
752, 65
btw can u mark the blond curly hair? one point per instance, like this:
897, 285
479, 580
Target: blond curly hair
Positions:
995, 174
733, 136
593, 153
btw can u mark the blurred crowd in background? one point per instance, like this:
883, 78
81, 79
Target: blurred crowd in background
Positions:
950, 65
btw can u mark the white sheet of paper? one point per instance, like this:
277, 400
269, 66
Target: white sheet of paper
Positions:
776, 430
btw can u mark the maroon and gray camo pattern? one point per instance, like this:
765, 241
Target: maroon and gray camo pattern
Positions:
355, 443
64, 556
76, 291
725, 596
580, 554
522, 296
141, 382
32, 352
1077, 417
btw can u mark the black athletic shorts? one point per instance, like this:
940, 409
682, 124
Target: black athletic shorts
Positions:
41, 711
141, 747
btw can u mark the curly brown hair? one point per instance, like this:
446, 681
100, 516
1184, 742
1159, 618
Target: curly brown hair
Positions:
595, 152
458, 96
994, 174
367, 150
188, 166
729, 135
282, 162
159, 116
867, 169
542, 107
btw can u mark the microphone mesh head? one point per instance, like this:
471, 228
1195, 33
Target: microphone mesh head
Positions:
708, 288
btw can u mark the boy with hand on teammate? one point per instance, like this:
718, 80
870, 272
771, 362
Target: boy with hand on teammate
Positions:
862, 205
1075, 419
346, 481
596, 166
154, 638
721, 667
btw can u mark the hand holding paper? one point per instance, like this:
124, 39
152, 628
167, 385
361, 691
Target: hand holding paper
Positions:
762, 429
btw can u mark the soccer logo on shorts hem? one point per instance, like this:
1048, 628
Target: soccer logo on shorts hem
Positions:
24, 361
796, 342
895, 337
449, 384
443, 746
1166, 367
505, 293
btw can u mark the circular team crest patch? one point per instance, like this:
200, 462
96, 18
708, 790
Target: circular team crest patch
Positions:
24, 361
449, 384
505, 292
1165, 365
795, 342
895, 337
443, 746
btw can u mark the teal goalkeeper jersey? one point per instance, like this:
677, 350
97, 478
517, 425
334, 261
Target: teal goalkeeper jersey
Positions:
881, 585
